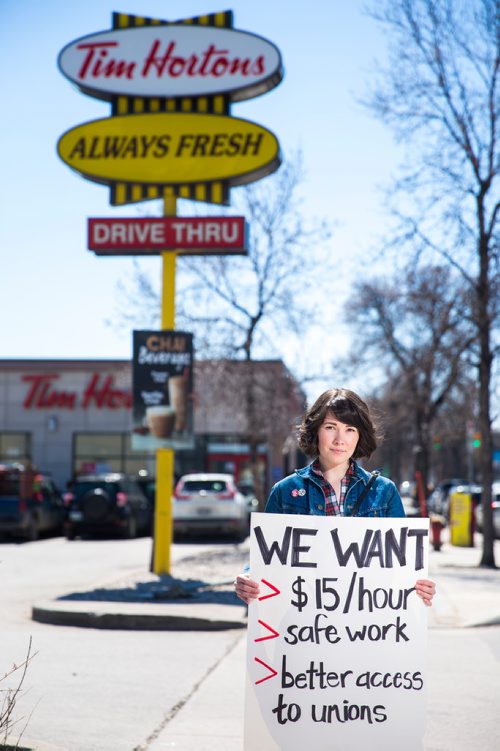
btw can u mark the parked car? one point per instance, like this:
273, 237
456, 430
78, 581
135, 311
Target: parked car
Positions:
147, 484
495, 504
205, 503
109, 504
247, 489
30, 503
439, 500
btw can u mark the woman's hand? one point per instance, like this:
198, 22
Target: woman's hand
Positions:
425, 589
246, 589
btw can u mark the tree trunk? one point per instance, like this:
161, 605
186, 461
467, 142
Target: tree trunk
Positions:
422, 450
485, 363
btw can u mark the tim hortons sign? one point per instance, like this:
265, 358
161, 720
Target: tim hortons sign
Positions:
170, 148
101, 392
175, 60
171, 86
187, 235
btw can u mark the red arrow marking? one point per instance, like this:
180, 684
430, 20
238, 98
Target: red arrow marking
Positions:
272, 635
273, 593
273, 671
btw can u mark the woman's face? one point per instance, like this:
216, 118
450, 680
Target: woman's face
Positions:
337, 442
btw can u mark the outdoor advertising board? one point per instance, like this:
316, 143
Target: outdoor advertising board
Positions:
172, 60
187, 235
162, 387
171, 86
170, 149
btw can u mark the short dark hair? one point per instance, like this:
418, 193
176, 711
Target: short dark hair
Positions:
347, 407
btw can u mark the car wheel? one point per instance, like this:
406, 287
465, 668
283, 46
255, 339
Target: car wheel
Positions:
70, 533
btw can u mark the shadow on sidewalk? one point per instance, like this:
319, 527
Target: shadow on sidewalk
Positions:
161, 590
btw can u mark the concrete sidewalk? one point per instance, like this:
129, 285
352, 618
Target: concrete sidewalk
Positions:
466, 594
212, 719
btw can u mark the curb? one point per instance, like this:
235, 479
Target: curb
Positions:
141, 617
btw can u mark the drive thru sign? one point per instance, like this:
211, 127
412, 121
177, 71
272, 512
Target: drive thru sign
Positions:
187, 235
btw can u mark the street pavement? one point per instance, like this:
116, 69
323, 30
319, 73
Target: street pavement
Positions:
211, 717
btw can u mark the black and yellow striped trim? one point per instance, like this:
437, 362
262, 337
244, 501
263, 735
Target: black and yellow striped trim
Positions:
212, 192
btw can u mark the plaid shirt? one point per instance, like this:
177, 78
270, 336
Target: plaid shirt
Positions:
334, 507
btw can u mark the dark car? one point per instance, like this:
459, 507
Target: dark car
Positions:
30, 503
106, 504
495, 505
439, 500
147, 484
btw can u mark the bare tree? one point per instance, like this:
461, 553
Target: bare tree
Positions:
440, 94
413, 325
449, 452
9, 697
242, 307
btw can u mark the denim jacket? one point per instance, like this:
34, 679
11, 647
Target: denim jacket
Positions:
301, 493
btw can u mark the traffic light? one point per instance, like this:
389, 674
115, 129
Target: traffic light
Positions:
476, 440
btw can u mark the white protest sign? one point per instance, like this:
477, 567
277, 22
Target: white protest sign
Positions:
337, 638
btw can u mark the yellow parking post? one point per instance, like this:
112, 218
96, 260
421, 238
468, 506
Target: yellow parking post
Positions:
461, 519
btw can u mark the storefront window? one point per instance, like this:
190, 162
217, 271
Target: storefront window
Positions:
15, 447
98, 444
95, 453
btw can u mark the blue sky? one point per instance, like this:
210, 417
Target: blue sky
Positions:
57, 295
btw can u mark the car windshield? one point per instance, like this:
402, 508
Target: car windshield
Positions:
210, 486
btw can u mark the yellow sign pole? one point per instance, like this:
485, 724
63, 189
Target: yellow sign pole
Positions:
163, 526
461, 519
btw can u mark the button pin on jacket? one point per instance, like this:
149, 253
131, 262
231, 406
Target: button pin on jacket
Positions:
302, 491
295, 492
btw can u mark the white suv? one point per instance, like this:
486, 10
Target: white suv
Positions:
205, 503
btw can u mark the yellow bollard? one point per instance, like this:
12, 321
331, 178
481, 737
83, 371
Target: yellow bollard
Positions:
461, 519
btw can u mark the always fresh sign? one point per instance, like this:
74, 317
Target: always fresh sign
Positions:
170, 148
172, 61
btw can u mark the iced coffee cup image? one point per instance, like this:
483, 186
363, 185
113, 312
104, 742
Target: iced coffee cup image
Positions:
160, 420
177, 395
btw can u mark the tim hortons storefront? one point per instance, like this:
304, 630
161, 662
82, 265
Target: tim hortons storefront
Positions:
70, 417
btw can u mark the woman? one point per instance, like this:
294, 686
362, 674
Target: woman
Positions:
335, 431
